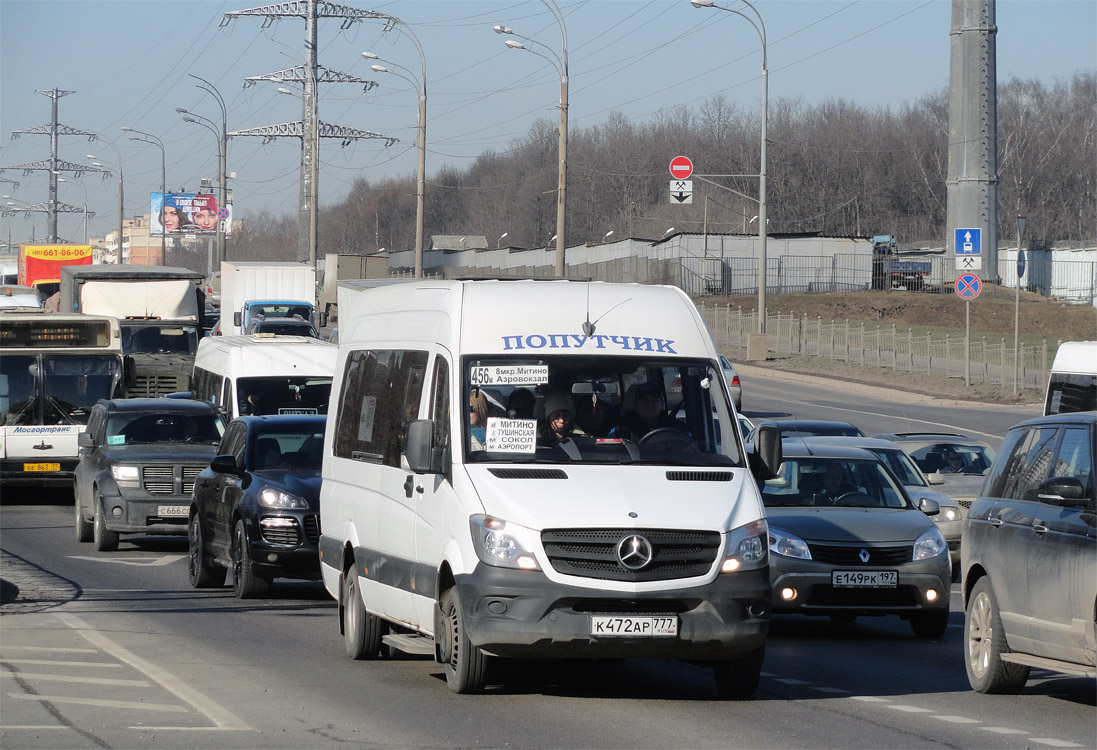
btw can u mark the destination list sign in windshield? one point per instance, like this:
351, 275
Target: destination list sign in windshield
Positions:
509, 375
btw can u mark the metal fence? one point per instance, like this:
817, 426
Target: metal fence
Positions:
986, 361
1074, 281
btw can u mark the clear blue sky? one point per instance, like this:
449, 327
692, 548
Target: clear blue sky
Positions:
128, 64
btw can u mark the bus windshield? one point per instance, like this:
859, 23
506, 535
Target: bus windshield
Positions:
55, 388
154, 338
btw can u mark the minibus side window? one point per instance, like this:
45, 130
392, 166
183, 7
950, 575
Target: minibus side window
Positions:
439, 403
381, 392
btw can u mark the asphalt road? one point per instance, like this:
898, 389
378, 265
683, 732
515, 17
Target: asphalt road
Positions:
116, 650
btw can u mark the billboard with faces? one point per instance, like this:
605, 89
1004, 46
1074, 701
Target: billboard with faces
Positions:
187, 214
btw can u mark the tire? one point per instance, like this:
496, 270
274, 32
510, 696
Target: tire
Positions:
203, 573
929, 625
362, 632
105, 539
465, 664
83, 528
245, 584
737, 679
984, 644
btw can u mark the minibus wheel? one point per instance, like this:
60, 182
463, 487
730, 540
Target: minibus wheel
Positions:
737, 679
362, 632
466, 665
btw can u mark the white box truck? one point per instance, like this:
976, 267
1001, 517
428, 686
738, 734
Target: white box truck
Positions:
159, 309
256, 288
463, 515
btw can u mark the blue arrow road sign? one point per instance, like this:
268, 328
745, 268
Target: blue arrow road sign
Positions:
1020, 264
969, 241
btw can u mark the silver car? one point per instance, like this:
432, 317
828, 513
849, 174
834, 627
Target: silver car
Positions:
918, 486
960, 461
846, 541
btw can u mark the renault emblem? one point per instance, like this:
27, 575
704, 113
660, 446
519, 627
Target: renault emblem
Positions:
863, 555
634, 552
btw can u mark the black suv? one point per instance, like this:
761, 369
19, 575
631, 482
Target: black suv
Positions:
1029, 553
138, 461
256, 508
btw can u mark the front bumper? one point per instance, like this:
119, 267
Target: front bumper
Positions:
164, 515
284, 545
524, 614
815, 594
13, 472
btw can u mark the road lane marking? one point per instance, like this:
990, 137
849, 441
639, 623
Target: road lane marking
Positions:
911, 709
1002, 730
62, 649
869, 699
147, 728
102, 664
1054, 742
140, 562
84, 680
63, 699
958, 719
221, 717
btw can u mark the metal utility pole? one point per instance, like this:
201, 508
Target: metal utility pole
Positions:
309, 129
54, 165
973, 129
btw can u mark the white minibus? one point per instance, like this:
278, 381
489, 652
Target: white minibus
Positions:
1072, 385
264, 373
541, 469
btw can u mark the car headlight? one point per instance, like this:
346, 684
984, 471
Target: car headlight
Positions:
930, 544
746, 547
272, 498
128, 475
785, 544
950, 513
502, 544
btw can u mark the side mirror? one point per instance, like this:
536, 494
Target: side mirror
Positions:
417, 450
85, 440
1062, 491
767, 457
236, 318
322, 318
929, 506
225, 464
935, 477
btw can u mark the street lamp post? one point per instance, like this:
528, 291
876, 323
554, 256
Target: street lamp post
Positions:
759, 27
150, 138
121, 193
561, 65
222, 157
421, 171
1017, 306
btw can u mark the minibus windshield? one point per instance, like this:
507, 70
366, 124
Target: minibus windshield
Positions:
601, 410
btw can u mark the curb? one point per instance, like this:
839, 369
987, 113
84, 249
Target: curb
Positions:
850, 386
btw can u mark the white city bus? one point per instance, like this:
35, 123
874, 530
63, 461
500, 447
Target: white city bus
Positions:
53, 368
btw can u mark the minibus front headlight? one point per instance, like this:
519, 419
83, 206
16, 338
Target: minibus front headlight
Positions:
746, 547
272, 498
128, 476
503, 544
930, 544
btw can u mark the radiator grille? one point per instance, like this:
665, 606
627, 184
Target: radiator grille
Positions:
699, 476
279, 530
529, 473
312, 529
592, 553
827, 596
151, 386
850, 555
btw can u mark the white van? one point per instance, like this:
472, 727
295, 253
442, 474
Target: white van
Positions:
264, 373
1072, 385
506, 540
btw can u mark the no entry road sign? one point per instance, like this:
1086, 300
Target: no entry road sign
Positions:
681, 167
